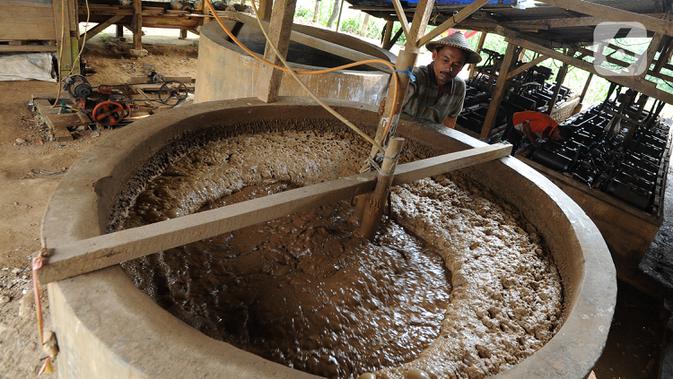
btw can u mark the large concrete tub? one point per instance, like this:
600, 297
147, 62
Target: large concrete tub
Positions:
227, 72
107, 328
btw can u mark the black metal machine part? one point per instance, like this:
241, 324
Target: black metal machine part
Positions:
527, 91
618, 147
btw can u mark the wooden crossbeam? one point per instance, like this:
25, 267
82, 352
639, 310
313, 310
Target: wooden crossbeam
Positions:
646, 58
452, 21
402, 17
100, 27
526, 66
110, 249
608, 13
638, 84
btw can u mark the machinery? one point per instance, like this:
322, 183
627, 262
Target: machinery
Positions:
527, 91
110, 106
618, 147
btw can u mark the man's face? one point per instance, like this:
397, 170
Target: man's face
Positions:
448, 61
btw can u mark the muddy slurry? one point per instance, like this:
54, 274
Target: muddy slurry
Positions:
453, 284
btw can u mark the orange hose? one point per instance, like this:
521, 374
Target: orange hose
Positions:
314, 72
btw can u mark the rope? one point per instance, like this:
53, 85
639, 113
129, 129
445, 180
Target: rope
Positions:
285, 68
37, 263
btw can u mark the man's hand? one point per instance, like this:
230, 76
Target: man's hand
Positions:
450, 122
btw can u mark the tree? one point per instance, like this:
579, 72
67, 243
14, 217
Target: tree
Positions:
335, 12
316, 11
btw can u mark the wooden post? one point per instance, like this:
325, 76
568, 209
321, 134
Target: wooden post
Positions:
265, 8
406, 60
374, 207
586, 87
560, 78
480, 45
120, 31
499, 92
280, 28
646, 59
62, 32
74, 34
137, 24
387, 34
183, 33
206, 13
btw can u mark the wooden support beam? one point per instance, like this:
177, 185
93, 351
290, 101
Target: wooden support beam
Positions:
498, 92
393, 40
565, 22
560, 78
61, 31
387, 35
110, 249
480, 45
100, 27
279, 31
608, 13
645, 61
119, 31
586, 87
137, 24
638, 84
665, 55
452, 21
265, 9
402, 17
512, 74
373, 210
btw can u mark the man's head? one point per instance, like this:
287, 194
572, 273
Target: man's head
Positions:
448, 61
449, 55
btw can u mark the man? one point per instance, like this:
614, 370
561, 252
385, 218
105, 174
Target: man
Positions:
436, 94
534, 127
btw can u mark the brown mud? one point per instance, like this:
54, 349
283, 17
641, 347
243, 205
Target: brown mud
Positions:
303, 291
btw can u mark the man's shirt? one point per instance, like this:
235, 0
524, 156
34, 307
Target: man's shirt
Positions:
427, 101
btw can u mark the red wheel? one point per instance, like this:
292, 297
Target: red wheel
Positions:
108, 113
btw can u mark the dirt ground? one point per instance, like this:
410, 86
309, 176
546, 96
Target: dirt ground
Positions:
31, 168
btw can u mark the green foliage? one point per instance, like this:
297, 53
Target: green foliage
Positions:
350, 25
303, 13
374, 30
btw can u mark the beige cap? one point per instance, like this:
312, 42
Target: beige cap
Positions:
459, 41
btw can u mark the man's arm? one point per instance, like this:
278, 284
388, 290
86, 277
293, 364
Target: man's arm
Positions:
450, 122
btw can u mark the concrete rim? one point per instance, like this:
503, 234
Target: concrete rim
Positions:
97, 312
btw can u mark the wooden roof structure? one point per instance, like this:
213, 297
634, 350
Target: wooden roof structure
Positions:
558, 29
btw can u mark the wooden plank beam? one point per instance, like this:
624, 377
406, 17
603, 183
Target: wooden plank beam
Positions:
499, 92
110, 249
560, 78
526, 66
27, 48
464, 13
639, 85
608, 13
569, 22
645, 61
280, 28
137, 24
480, 45
265, 9
402, 17
387, 34
100, 27
586, 87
